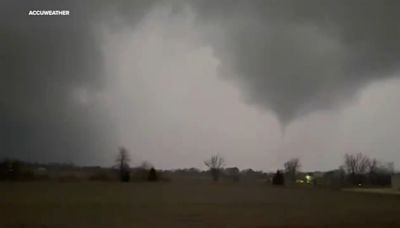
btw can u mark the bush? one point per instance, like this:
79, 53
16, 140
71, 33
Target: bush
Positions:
13, 170
278, 178
125, 176
152, 175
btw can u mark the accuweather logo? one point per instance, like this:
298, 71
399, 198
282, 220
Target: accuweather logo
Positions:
48, 13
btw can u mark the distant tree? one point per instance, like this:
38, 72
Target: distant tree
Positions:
380, 173
372, 166
248, 172
292, 167
390, 167
193, 171
233, 173
215, 164
123, 164
357, 165
145, 165
153, 176
10, 169
15, 170
278, 178
141, 172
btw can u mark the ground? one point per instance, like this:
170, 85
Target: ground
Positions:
374, 190
203, 204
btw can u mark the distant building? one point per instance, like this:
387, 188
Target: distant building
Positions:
395, 181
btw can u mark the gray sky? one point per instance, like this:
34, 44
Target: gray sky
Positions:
257, 82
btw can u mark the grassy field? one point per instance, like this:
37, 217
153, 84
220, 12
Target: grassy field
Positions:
173, 204
374, 190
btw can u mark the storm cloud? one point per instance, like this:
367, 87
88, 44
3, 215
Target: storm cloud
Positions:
51, 75
171, 76
297, 57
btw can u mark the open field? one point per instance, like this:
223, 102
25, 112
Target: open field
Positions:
173, 204
374, 190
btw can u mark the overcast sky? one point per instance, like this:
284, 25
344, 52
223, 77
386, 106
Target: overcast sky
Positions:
258, 82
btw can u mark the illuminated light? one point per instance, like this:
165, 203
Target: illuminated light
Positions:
308, 179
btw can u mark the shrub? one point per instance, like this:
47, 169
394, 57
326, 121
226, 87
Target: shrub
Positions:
152, 175
278, 178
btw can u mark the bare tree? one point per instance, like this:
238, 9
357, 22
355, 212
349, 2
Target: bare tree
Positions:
215, 164
361, 169
292, 167
123, 164
357, 165
379, 174
373, 166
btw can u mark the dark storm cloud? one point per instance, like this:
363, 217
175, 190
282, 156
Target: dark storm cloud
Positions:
50, 67
291, 57
295, 57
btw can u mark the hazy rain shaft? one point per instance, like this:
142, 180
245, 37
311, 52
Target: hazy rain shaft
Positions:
176, 81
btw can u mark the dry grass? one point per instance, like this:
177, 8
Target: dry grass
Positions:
176, 204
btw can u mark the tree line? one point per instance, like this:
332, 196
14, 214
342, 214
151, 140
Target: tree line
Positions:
357, 169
